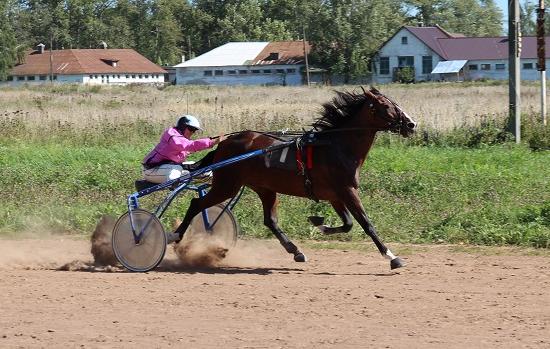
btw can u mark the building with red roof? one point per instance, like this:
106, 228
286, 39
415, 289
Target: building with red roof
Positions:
86, 66
248, 63
432, 53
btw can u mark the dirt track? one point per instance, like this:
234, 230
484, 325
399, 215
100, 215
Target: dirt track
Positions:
262, 299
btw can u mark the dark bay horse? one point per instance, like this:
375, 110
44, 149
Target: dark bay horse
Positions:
345, 131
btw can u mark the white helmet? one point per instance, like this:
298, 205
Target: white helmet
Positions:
188, 120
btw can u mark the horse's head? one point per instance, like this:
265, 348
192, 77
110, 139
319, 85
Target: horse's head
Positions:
387, 115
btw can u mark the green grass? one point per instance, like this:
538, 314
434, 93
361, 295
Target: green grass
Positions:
490, 195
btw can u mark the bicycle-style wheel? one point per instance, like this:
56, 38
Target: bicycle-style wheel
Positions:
149, 251
223, 229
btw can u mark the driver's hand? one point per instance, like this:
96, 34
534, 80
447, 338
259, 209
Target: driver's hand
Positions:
220, 138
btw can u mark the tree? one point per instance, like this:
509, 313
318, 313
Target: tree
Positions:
468, 17
348, 33
8, 43
528, 18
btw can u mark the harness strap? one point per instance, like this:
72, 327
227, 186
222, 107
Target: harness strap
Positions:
305, 167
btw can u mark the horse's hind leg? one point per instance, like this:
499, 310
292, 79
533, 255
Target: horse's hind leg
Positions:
269, 203
344, 214
354, 205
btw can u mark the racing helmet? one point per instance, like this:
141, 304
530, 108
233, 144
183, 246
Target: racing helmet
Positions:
188, 121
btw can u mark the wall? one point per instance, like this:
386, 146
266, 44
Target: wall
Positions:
196, 75
92, 79
526, 74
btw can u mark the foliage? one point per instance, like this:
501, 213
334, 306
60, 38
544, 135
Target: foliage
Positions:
8, 47
468, 17
344, 33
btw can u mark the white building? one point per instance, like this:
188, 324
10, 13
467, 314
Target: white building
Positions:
418, 50
86, 66
246, 63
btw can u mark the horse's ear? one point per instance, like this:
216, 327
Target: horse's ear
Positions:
375, 91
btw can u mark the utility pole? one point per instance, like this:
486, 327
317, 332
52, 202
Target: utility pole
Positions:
514, 53
541, 55
305, 55
51, 58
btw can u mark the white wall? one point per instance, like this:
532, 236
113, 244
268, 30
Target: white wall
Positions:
493, 73
92, 79
414, 47
231, 75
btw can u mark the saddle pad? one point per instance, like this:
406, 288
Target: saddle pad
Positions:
284, 158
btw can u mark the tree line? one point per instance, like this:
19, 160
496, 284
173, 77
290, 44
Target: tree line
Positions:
344, 34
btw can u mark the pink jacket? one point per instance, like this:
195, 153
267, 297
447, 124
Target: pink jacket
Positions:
174, 147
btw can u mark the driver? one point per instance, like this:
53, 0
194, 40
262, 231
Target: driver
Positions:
164, 162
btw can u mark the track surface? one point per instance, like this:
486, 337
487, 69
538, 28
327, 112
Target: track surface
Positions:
262, 299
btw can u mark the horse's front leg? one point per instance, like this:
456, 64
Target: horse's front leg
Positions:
351, 199
269, 204
344, 214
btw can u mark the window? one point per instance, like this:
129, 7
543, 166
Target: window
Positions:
218, 72
472, 67
527, 65
404, 40
427, 66
267, 71
118, 76
485, 67
231, 72
10, 78
20, 78
140, 76
146, 76
55, 77
384, 65
242, 72
42, 77
280, 71
102, 76
405, 61
207, 73
30, 78
133, 76
256, 71
95, 76
500, 66
91, 76
127, 76
291, 71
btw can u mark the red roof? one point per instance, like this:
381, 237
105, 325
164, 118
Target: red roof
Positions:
489, 48
282, 52
86, 61
456, 46
430, 36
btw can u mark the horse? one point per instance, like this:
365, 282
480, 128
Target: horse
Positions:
339, 143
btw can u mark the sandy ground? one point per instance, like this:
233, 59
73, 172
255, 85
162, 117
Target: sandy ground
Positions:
260, 298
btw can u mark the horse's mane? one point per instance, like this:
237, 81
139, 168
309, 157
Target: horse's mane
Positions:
342, 107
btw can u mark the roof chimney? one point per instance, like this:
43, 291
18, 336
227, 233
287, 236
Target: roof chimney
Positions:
103, 45
420, 24
182, 58
40, 48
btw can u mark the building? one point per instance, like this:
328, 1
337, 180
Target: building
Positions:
247, 63
86, 66
431, 53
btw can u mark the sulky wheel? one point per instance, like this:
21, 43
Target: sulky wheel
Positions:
149, 251
224, 229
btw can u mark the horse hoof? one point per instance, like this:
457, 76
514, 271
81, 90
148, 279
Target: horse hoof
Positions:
316, 220
300, 257
397, 263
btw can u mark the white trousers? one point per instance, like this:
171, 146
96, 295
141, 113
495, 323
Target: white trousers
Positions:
163, 173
